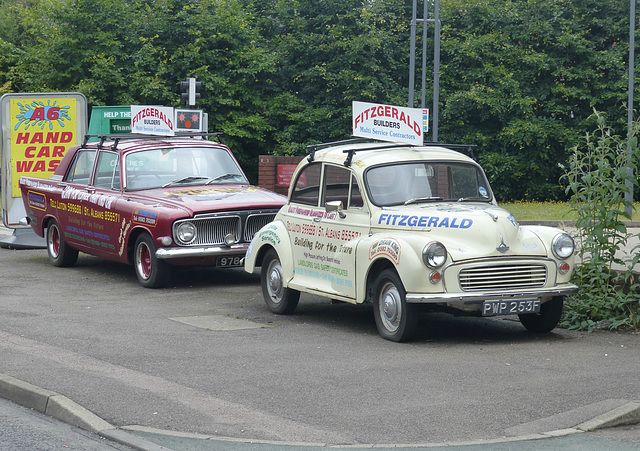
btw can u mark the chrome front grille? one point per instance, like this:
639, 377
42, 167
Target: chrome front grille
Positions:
211, 229
503, 277
255, 223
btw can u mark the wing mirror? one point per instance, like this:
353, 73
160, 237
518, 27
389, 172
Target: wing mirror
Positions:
335, 205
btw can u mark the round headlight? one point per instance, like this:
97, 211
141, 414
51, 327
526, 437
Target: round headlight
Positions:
563, 245
186, 232
434, 255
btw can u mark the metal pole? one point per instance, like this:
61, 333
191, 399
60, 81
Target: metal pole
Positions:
412, 54
436, 71
425, 15
628, 196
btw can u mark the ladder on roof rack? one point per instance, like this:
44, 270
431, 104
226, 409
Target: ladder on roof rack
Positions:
117, 137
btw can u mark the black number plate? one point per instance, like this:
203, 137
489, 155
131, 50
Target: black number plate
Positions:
229, 261
493, 308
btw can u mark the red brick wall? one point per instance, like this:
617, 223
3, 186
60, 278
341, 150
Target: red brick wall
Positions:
268, 171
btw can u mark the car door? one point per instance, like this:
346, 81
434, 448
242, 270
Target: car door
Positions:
74, 202
340, 230
104, 216
324, 237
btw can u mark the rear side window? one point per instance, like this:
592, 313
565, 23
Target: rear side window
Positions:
307, 188
107, 171
341, 185
80, 170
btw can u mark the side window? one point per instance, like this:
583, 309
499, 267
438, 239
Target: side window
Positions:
355, 198
80, 170
307, 188
107, 171
341, 185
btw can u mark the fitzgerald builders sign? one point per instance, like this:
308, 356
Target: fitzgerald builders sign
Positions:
388, 123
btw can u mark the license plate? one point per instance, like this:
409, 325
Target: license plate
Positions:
229, 261
493, 308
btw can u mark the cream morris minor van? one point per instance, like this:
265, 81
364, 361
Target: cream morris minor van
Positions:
406, 228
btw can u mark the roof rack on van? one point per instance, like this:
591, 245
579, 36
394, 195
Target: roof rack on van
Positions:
314, 147
467, 149
117, 137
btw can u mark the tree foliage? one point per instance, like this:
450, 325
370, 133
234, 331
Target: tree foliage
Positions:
518, 78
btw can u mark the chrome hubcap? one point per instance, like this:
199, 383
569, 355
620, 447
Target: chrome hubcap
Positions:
390, 307
275, 281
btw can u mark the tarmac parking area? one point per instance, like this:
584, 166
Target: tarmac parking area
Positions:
206, 357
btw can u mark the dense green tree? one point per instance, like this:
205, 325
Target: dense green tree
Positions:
520, 78
330, 53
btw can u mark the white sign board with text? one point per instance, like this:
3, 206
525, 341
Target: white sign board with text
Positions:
388, 123
152, 120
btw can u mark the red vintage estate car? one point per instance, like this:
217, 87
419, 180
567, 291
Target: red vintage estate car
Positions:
153, 202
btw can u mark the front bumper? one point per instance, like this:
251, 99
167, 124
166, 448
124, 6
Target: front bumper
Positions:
202, 251
453, 298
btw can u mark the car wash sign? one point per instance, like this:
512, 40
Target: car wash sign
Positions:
152, 120
37, 130
388, 123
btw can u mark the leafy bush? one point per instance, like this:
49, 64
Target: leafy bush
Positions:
596, 178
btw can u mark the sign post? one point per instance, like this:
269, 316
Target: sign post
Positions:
36, 130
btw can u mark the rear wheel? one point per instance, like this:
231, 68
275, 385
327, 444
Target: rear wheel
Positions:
547, 319
396, 319
279, 299
59, 253
152, 272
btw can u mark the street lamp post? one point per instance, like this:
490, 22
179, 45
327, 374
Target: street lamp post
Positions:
628, 196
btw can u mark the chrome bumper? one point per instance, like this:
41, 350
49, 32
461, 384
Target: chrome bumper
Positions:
202, 251
439, 298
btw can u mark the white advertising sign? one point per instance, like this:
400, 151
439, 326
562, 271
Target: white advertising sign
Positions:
388, 123
152, 120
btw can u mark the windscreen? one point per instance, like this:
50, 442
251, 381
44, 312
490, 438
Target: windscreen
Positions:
169, 166
417, 182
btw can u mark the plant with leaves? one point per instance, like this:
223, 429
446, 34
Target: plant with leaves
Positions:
596, 179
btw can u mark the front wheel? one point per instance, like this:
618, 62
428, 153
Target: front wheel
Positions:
151, 271
279, 299
547, 319
59, 253
396, 319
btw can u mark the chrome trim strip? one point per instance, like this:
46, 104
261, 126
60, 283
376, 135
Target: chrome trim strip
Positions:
435, 298
201, 251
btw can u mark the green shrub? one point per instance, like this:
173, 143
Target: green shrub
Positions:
595, 178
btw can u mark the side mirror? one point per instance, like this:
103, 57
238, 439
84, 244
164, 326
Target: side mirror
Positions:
335, 205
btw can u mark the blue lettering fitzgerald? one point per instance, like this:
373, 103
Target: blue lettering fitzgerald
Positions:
424, 221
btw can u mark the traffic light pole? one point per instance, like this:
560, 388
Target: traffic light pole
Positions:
436, 60
191, 88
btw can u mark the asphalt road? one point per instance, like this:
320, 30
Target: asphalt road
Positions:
25, 429
206, 357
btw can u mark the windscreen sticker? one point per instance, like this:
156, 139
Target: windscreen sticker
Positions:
483, 191
424, 221
205, 194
